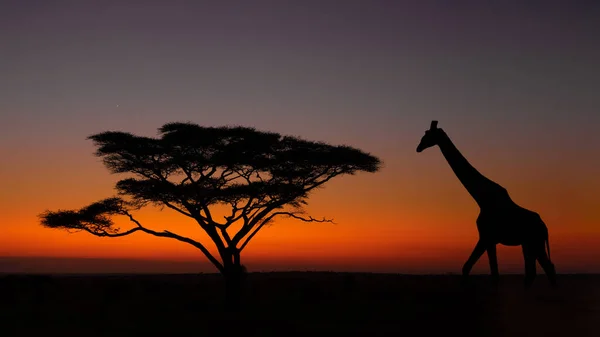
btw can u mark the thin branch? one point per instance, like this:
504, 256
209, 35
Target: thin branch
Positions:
234, 209
208, 175
252, 234
208, 216
188, 175
309, 219
183, 202
200, 219
177, 209
317, 184
110, 235
226, 173
289, 214
259, 214
210, 227
254, 220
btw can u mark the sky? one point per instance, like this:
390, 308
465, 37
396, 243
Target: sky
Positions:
512, 83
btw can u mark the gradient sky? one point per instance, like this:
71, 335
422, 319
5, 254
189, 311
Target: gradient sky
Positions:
514, 85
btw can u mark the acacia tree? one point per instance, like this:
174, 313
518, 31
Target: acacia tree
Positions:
192, 169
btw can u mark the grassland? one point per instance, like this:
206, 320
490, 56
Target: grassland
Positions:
297, 304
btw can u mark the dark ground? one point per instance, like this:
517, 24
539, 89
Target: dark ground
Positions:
297, 304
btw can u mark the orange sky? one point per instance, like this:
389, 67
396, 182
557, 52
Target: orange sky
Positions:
410, 217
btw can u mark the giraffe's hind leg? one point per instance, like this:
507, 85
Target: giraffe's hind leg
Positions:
546, 264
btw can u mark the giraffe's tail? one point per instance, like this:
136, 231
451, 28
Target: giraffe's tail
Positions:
548, 246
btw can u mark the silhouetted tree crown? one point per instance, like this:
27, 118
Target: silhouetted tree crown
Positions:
190, 168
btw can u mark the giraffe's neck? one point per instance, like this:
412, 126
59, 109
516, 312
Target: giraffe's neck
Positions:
482, 189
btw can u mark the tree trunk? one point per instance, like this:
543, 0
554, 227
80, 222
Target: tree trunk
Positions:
235, 279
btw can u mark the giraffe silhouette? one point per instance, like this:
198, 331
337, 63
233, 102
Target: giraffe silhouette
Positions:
500, 220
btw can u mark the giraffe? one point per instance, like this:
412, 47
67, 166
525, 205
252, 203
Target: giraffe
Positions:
500, 220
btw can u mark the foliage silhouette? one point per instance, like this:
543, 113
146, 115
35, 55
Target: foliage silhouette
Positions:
501, 220
192, 169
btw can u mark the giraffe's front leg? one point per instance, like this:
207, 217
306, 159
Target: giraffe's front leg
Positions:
479, 249
493, 258
530, 272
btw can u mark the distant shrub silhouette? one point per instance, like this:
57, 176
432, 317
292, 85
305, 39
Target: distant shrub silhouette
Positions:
194, 169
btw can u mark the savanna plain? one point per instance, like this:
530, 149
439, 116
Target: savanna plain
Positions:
297, 304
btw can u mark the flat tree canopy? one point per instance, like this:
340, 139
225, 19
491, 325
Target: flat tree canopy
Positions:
193, 169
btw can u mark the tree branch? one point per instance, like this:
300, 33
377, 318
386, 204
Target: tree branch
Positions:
234, 209
225, 235
177, 209
168, 234
309, 219
208, 215
250, 224
110, 235
289, 214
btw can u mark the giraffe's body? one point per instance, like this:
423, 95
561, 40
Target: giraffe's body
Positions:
500, 220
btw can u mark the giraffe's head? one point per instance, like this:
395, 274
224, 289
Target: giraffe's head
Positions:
431, 137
